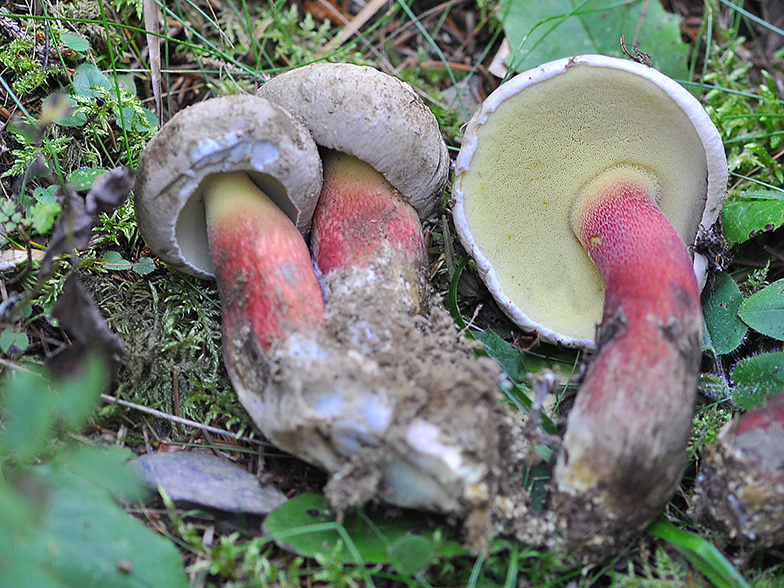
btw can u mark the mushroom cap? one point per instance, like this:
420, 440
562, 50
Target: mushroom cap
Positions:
225, 134
543, 136
373, 116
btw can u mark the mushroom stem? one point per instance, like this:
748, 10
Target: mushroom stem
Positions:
265, 275
626, 437
740, 486
367, 238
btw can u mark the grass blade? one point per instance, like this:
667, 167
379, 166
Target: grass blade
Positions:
700, 553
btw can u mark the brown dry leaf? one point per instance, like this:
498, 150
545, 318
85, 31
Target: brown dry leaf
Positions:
73, 229
332, 10
79, 316
109, 190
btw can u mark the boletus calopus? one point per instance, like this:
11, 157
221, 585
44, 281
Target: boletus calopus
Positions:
579, 187
221, 191
225, 190
385, 166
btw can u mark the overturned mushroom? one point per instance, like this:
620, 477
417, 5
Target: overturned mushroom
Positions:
537, 141
595, 161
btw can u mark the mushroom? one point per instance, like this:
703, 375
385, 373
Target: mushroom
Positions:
536, 142
740, 485
215, 191
211, 191
577, 188
351, 395
221, 135
221, 191
385, 165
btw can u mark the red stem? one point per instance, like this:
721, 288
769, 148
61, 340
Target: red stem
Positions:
264, 272
627, 433
365, 232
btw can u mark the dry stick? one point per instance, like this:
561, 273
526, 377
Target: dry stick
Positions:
153, 43
176, 419
152, 411
356, 23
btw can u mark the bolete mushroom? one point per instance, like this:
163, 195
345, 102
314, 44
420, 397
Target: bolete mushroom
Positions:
740, 485
211, 190
221, 192
537, 141
385, 165
578, 187
351, 396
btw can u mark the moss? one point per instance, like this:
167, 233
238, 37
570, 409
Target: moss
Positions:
170, 324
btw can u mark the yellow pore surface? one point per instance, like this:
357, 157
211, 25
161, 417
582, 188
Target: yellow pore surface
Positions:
536, 153
232, 196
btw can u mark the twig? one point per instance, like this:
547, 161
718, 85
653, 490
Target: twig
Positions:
176, 419
152, 25
356, 23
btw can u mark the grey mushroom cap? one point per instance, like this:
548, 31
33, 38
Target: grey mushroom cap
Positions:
373, 116
225, 134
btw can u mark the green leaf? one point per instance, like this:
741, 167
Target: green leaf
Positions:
542, 31
74, 119
76, 396
30, 404
75, 42
144, 266
511, 360
15, 511
10, 338
54, 108
86, 77
723, 330
702, 554
28, 407
88, 541
114, 261
451, 298
411, 553
764, 311
45, 195
84, 177
757, 378
746, 216
306, 525
43, 215
28, 574
106, 468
